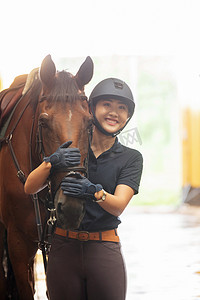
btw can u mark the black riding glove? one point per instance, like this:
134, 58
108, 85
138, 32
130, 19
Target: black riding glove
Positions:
80, 187
64, 157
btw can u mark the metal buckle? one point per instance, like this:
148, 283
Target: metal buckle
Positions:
52, 217
83, 236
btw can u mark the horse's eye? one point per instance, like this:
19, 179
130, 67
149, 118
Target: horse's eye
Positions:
43, 124
44, 120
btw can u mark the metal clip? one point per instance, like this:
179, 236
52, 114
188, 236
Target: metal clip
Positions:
9, 138
70, 173
52, 218
21, 176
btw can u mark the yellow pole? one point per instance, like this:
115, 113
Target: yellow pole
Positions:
191, 147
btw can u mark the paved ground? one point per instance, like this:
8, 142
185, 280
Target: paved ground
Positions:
161, 248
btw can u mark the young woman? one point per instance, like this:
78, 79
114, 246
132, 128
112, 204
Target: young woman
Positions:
87, 263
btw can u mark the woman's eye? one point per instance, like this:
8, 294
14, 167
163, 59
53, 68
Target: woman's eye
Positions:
106, 104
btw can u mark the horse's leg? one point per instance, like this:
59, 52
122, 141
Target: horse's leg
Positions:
22, 252
2, 274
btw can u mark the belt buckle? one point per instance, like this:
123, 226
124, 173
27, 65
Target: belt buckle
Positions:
83, 236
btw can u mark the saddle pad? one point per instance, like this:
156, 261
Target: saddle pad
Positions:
10, 96
8, 101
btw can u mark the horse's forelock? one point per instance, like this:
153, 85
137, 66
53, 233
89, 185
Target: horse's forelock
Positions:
65, 88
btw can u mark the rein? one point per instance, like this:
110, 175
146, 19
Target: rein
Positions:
8, 140
22, 178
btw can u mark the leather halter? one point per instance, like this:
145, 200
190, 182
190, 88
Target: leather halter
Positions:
70, 171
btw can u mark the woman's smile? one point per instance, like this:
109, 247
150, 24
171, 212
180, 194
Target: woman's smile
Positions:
112, 114
111, 122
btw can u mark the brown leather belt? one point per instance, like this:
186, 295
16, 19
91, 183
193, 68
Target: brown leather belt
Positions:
84, 236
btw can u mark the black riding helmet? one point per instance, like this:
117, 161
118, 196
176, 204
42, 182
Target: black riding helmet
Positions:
111, 88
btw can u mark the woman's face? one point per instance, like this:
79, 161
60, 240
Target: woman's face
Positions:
112, 114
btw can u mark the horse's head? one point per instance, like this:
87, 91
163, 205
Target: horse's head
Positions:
64, 116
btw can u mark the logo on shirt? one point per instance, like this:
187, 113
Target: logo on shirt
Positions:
129, 137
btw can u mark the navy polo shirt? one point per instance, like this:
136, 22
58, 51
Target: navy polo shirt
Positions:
118, 165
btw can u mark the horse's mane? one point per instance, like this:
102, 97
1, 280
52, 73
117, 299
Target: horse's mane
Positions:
64, 90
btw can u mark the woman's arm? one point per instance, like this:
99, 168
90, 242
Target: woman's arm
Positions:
115, 204
82, 187
63, 158
36, 180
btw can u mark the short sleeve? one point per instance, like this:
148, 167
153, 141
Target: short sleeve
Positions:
132, 171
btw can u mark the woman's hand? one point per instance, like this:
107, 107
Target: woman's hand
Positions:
80, 187
64, 157
60, 160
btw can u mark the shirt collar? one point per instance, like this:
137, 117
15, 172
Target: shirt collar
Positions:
116, 147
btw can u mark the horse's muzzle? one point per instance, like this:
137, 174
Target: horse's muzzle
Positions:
69, 210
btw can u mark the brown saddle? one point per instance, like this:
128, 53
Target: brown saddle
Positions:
10, 96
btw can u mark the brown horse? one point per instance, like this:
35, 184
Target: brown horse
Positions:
52, 111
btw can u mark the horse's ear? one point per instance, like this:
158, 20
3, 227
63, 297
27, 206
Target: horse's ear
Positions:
85, 73
47, 71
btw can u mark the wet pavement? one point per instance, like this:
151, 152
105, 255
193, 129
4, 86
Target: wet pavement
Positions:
161, 248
